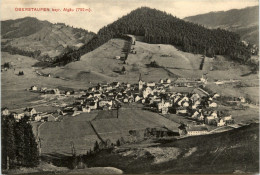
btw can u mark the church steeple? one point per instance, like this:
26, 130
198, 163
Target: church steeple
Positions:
140, 77
140, 82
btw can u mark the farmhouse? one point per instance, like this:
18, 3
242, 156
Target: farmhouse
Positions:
18, 116
30, 112
5, 111
34, 88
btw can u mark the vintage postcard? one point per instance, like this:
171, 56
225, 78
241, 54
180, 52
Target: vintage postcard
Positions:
129, 86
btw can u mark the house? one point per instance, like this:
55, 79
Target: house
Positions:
34, 88
228, 119
29, 112
196, 130
117, 57
201, 117
195, 97
182, 129
168, 81
210, 120
181, 111
18, 116
97, 94
56, 91
60, 112
67, 92
221, 122
44, 89
213, 105
184, 104
92, 105
242, 99
195, 114
115, 84
215, 96
5, 111
161, 81
102, 103
147, 91
150, 84
107, 107
48, 118
36, 117
214, 114
164, 110
137, 98
86, 109
161, 105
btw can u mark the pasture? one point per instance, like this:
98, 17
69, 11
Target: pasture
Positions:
57, 136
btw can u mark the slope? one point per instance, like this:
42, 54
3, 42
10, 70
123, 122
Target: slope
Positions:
158, 27
31, 34
234, 151
242, 21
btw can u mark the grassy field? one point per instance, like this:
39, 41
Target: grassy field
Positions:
57, 136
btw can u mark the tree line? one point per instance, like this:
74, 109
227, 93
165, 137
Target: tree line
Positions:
19, 147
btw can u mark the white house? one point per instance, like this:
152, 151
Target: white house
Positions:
213, 105
37, 117
34, 88
5, 111
18, 116
215, 96
221, 122
137, 98
86, 109
181, 111
151, 84
195, 114
102, 103
147, 91
29, 111
168, 81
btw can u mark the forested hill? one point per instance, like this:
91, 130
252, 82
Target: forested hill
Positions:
162, 28
242, 21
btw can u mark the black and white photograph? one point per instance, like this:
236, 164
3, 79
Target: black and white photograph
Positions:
129, 86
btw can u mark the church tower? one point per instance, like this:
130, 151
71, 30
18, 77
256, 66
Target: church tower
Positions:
140, 82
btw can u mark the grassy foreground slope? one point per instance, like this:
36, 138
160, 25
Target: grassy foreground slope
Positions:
234, 151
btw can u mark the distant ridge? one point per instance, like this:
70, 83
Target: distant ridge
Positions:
244, 21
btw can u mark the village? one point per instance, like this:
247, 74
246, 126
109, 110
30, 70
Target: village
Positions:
198, 106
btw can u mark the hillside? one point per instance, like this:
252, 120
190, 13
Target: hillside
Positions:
158, 27
234, 151
30, 34
242, 21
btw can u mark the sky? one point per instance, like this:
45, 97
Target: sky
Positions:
104, 12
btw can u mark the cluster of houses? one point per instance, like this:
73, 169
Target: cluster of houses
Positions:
50, 91
158, 97
32, 114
